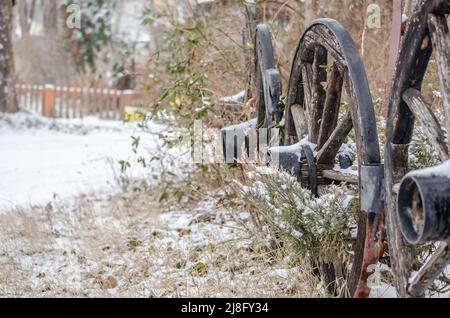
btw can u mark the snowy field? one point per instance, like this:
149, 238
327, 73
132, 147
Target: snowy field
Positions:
44, 159
69, 228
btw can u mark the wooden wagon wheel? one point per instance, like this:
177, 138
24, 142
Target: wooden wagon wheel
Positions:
267, 89
427, 30
326, 63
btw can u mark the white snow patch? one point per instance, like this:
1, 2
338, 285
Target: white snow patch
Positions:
237, 98
43, 159
296, 148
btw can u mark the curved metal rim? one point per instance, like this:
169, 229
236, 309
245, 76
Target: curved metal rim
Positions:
262, 34
358, 76
264, 60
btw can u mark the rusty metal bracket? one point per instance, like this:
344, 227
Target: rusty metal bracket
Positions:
371, 188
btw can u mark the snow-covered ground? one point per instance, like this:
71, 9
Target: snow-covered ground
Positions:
97, 239
43, 159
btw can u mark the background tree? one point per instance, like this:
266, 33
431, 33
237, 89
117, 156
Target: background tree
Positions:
8, 100
311, 7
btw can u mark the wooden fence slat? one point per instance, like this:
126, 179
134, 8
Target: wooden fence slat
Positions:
76, 101
49, 101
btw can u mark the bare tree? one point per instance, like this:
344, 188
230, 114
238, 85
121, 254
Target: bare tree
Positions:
8, 100
311, 7
51, 11
26, 11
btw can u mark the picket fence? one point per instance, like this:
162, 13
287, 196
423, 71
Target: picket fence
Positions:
76, 102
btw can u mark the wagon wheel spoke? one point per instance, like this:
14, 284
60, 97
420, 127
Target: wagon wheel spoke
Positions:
332, 105
308, 91
318, 93
430, 270
331, 147
441, 42
298, 117
430, 124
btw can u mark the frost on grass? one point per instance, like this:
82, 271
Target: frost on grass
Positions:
126, 245
320, 228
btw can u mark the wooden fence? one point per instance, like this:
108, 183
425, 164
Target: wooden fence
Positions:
76, 102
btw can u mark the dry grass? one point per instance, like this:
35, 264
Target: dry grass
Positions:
127, 245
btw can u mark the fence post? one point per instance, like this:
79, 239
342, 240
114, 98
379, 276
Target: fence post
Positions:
49, 101
126, 100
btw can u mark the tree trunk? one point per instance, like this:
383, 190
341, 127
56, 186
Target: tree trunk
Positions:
26, 10
8, 100
311, 7
51, 12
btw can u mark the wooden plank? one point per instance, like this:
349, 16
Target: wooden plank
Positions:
82, 100
430, 124
74, 93
329, 151
91, 97
33, 104
41, 94
58, 95
112, 100
98, 103
440, 36
120, 105
28, 99
65, 101
105, 97
49, 101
